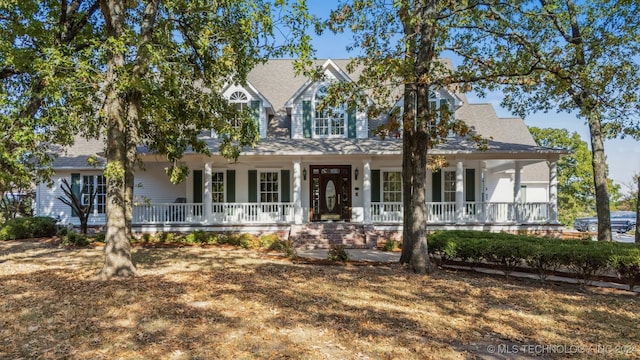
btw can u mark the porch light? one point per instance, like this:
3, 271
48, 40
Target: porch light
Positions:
304, 174
357, 172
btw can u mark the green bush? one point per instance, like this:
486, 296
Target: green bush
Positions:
586, 259
627, 266
338, 253
28, 227
73, 238
100, 237
285, 247
267, 240
391, 245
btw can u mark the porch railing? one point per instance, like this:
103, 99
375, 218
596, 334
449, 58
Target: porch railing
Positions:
471, 212
221, 213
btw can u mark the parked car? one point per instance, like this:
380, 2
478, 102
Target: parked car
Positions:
621, 221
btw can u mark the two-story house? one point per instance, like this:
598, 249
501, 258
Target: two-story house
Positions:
317, 174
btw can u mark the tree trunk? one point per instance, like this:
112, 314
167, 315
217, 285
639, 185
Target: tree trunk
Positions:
638, 211
414, 167
600, 178
117, 261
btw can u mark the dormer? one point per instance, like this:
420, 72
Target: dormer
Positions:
248, 98
308, 120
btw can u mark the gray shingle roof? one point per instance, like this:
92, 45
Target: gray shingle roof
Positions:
277, 82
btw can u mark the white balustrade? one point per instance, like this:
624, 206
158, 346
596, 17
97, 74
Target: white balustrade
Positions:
473, 212
221, 213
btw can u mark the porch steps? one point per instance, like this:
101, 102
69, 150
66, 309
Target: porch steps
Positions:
323, 235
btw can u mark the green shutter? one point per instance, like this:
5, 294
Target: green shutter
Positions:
231, 186
306, 118
436, 186
351, 124
375, 185
470, 185
253, 186
76, 189
255, 112
285, 183
197, 186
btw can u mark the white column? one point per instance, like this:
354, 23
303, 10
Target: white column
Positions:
459, 192
517, 183
208, 188
553, 192
483, 191
366, 191
297, 192
516, 191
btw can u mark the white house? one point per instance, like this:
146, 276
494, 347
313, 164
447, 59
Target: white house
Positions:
321, 177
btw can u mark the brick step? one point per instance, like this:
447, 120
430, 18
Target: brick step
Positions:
323, 235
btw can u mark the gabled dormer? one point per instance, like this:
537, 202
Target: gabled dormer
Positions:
309, 121
249, 98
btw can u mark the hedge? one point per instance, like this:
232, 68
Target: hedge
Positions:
28, 227
586, 259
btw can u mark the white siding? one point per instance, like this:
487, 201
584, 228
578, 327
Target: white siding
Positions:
48, 203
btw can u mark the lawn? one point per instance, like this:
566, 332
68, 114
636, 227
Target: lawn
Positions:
226, 303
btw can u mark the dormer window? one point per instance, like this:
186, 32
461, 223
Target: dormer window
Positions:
241, 103
329, 121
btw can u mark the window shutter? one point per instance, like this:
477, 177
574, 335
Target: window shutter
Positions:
436, 186
351, 124
255, 112
470, 185
253, 186
306, 118
285, 182
76, 189
197, 186
231, 186
375, 185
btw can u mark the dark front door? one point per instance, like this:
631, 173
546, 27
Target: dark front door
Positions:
331, 193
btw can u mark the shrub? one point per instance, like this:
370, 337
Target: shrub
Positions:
285, 247
73, 238
627, 266
267, 240
391, 245
100, 237
338, 253
28, 227
249, 241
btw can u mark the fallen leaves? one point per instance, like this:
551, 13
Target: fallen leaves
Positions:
218, 303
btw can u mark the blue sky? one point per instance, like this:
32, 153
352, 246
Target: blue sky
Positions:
623, 156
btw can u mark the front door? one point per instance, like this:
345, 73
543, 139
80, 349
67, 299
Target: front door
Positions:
331, 193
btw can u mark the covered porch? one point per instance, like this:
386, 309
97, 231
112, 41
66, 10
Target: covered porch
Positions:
381, 213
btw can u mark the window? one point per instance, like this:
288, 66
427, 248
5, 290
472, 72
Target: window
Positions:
392, 186
330, 121
94, 184
449, 186
269, 187
240, 101
217, 187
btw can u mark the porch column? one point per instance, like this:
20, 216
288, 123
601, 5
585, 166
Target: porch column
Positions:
208, 187
366, 191
483, 191
459, 192
553, 192
297, 192
517, 191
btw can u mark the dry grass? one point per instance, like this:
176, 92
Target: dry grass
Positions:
222, 303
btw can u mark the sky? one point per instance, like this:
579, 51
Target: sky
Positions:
623, 155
